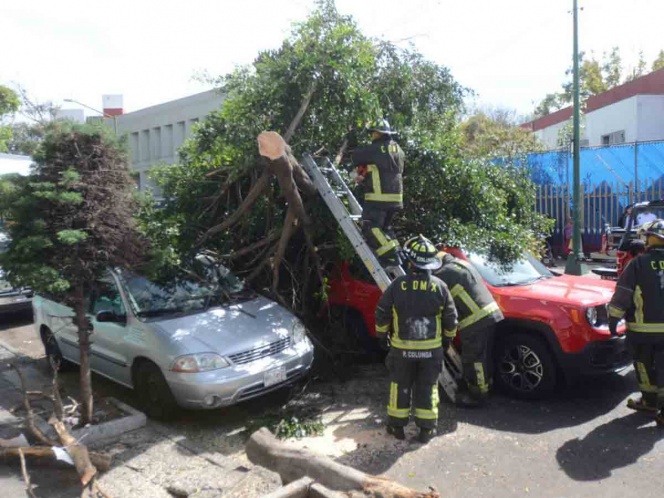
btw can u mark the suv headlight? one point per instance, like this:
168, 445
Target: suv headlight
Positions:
202, 362
598, 316
299, 331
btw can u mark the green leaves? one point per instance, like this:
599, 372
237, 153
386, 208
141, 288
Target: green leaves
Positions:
69, 223
71, 237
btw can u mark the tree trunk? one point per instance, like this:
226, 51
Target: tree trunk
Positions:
84, 332
45, 454
292, 464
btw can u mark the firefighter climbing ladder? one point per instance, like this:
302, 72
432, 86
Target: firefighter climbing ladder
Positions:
347, 215
346, 220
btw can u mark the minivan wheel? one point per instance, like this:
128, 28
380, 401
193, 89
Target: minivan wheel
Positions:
155, 396
52, 351
524, 367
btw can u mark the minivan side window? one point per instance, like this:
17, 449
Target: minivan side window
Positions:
106, 297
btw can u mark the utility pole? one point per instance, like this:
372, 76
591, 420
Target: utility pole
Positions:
574, 265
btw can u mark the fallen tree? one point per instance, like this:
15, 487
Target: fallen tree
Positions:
294, 464
64, 448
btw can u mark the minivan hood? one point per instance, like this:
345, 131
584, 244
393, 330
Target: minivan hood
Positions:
565, 289
228, 329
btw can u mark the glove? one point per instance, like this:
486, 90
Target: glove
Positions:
613, 325
447, 342
383, 342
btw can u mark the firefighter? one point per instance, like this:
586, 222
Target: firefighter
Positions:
417, 315
478, 314
638, 298
379, 168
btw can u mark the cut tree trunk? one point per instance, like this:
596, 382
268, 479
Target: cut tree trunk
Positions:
293, 464
44, 454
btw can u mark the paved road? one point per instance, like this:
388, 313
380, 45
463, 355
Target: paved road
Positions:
583, 442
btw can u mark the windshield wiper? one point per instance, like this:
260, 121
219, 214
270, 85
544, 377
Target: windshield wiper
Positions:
157, 312
541, 277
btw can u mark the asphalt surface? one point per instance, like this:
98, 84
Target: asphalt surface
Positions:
583, 442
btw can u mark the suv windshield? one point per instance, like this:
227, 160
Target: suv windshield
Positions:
183, 294
522, 272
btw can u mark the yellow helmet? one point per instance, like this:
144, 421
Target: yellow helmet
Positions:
654, 232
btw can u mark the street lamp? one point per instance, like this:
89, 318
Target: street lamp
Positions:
114, 118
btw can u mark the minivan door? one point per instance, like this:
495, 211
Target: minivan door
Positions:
108, 349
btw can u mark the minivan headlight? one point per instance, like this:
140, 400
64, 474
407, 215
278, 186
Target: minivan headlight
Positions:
202, 362
299, 331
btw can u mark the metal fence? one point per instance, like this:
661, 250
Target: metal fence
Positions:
603, 204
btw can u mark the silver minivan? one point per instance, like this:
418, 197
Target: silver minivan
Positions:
186, 343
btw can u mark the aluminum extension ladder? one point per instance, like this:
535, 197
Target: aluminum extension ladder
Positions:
347, 214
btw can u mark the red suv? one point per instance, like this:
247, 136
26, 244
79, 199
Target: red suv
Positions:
555, 327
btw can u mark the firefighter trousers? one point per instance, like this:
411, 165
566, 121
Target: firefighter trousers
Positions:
376, 223
476, 350
413, 382
648, 357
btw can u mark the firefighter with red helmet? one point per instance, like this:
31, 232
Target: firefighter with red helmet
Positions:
379, 168
417, 315
639, 298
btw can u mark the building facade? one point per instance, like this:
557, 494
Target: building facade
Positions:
632, 112
155, 134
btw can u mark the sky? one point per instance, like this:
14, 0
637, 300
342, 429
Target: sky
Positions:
511, 53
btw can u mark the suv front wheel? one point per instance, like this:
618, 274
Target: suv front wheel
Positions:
524, 367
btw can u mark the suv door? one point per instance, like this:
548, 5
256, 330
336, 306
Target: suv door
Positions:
109, 348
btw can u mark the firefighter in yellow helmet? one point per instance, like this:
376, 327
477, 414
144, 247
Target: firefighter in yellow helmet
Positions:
417, 315
380, 168
639, 298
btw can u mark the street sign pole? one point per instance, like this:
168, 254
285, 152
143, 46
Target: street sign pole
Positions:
574, 265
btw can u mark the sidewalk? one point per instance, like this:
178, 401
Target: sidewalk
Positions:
154, 461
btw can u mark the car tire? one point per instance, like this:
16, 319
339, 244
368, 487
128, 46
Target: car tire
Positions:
52, 351
155, 396
524, 366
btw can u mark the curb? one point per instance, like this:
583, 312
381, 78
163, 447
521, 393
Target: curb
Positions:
113, 428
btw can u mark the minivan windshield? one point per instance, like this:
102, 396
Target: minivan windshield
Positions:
181, 294
522, 272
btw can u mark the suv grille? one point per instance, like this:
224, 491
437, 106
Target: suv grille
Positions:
261, 352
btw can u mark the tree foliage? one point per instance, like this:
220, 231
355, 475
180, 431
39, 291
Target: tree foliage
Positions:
351, 79
72, 220
9, 104
496, 134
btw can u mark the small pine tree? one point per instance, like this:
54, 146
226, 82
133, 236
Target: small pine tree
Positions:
72, 221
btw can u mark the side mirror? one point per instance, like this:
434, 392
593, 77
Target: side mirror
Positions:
109, 316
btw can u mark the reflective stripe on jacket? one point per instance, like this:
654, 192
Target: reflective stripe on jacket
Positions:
639, 294
383, 184
474, 303
418, 310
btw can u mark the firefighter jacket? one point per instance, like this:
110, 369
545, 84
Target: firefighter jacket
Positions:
474, 303
418, 310
383, 184
639, 295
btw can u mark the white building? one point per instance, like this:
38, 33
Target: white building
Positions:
155, 133
632, 112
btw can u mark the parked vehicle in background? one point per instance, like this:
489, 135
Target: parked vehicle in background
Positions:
12, 299
555, 327
187, 342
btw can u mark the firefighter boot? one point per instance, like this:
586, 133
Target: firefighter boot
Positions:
640, 405
426, 435
397, 432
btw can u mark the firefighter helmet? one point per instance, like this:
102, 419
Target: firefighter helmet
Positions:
380, 126
422, 254
655, 233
